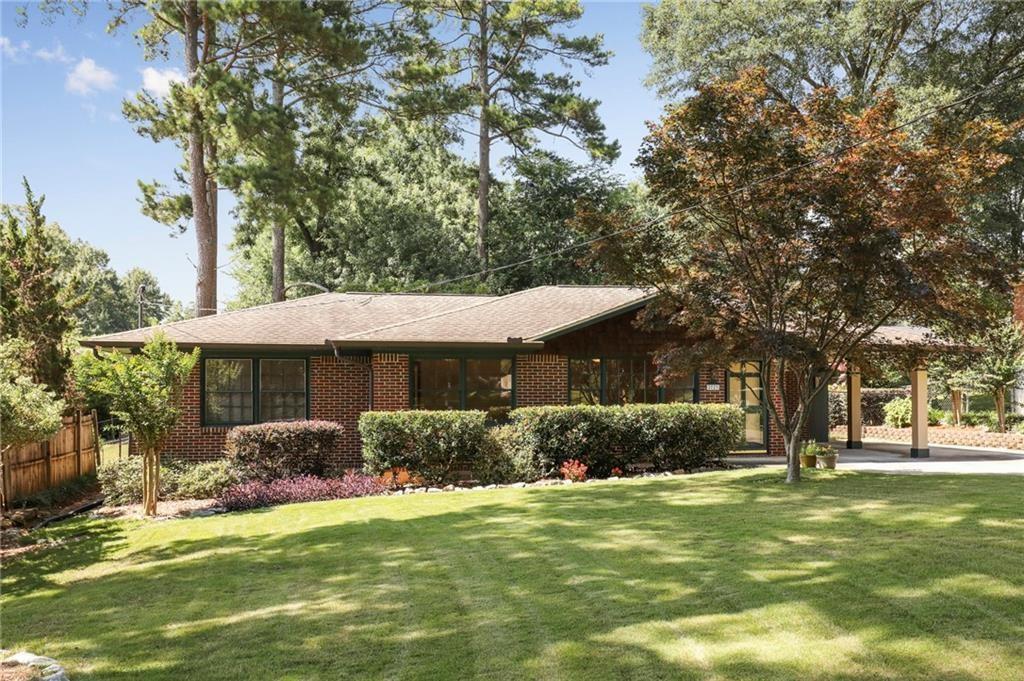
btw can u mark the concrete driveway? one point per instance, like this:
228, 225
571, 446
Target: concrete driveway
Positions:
889, 457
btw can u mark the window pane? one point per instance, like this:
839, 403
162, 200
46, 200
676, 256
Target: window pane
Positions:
282, 389
488, 383
630, 381
228, 384
435, 384
681, 389
585, 381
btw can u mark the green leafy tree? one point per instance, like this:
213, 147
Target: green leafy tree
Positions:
798, 271
37, 303
493, 57
28, 411
144, 391
998, 365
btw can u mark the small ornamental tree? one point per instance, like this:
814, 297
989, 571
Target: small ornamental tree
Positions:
144, 391
794, 232
998, 365
28, 411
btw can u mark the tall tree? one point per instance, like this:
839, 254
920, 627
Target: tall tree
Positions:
998, 365
37, 303
494, 57
782, 251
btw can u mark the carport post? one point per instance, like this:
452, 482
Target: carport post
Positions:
854, 427
919, 413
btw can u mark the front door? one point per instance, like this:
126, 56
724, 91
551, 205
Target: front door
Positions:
744, 389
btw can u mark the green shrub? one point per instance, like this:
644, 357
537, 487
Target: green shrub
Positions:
284, 449
872, 404
121, 481
204, 480
818, 449
667, 436
433, 445
897, 412
505, 459
935, 417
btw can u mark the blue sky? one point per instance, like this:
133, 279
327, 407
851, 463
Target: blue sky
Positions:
62, 85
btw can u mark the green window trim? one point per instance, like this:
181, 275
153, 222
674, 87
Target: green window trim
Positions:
462, 360
254, 363
603, 361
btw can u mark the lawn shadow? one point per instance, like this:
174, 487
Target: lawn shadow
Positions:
729, 576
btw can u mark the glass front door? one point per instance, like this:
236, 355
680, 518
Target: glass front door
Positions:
744, 389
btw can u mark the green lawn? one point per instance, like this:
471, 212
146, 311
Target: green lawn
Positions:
715, 576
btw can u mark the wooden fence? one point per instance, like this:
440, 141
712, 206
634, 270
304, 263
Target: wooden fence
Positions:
70, 453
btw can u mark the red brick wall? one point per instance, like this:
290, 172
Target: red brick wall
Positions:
541, 379
711, 376
390, 382
339, 390
190, 441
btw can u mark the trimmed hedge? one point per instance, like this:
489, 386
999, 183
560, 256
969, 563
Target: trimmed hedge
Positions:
444, 446
433, 445
872, 404
283, 449
666, 436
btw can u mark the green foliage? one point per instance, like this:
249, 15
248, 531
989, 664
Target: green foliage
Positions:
872, 403
37, 303
433, 445
999, 365
121, 481
505, 458
29, 412
143, 389
206, 480
667, 436
821, 449
898, 412
284, 449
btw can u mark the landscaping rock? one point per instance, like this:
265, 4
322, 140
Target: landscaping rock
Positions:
518, 484
24, 516
433, 489
47, 666
449, 488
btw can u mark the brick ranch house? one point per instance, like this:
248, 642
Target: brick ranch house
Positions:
335, 355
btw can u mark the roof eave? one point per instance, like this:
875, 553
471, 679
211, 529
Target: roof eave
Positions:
231, 347
435, 345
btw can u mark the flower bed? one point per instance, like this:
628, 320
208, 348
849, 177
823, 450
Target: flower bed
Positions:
943, 435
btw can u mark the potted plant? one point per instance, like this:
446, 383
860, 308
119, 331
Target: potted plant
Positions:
826, 455
808, 455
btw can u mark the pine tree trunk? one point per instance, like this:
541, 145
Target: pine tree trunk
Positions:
484, 148
204, 218
956, 405
277, 254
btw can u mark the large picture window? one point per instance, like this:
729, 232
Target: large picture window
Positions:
237, 391
228, 385
461, 383
282, 389
624, 380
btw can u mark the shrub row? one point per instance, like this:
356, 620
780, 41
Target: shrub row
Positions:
444, 447
121, 481
257, 493
285, 449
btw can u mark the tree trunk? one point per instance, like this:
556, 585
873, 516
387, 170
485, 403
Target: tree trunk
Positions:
484, 148
277, 254
956, 405
791, 443
205, 219
1000, 400
150, 480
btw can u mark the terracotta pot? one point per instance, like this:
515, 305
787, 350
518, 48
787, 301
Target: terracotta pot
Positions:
808, 460
827, 461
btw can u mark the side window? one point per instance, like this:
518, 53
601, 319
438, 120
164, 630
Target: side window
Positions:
228, 388
282, 389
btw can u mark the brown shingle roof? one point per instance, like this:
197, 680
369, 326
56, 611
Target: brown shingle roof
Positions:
305, 322
367, 320
530, 315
